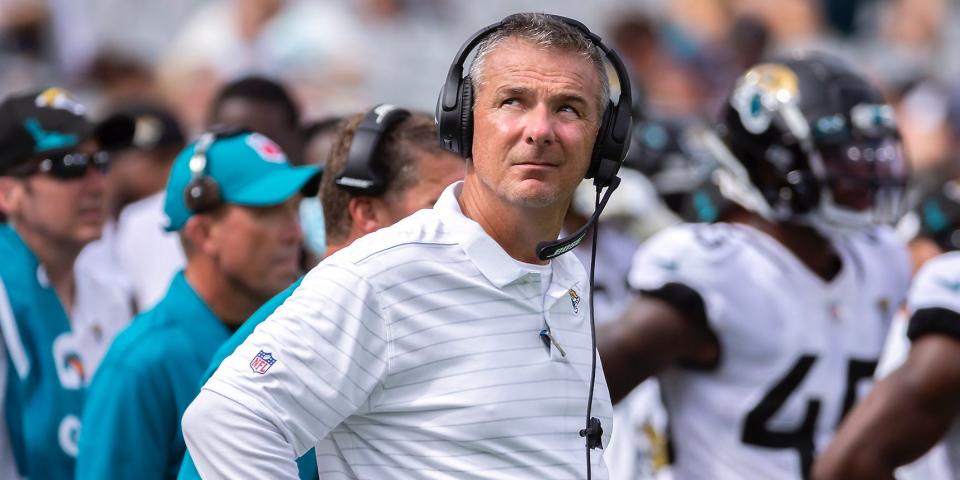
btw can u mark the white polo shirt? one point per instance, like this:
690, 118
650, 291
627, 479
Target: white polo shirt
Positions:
414, 353
149, 255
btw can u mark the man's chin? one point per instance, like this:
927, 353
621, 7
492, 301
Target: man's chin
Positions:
87, 233
534, 194
281, 279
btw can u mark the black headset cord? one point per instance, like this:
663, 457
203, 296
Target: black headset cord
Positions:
593, 432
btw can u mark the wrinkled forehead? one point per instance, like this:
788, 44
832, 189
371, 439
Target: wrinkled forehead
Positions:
519, 61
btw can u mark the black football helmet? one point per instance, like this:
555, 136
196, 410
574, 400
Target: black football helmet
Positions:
807, 139
937, 216
671, 154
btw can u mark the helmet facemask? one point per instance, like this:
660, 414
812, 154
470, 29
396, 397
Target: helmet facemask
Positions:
864, 173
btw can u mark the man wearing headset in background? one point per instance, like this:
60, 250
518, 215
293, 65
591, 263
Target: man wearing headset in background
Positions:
413, 170
234, 199
54, 320
443, 345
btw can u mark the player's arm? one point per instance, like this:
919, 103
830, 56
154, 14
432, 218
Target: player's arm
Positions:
329, 344
659, 328
904, 415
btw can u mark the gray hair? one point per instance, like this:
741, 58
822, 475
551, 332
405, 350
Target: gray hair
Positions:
547, 32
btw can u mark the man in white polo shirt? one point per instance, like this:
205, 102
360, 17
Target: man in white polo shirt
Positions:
443, 346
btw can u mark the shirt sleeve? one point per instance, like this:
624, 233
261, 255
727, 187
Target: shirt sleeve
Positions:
310, 365
126, 430
8, 466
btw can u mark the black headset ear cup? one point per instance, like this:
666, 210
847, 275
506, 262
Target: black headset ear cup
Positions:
466, 117
600, 146
202, 194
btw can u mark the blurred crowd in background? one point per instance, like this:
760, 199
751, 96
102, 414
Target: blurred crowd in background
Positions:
341, 57
338, 56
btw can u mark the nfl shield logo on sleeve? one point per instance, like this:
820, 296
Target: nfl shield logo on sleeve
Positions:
262, 362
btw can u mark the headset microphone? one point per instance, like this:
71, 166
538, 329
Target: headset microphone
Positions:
555, 248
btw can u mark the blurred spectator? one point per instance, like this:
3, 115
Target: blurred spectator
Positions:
662, 59
309, 43
318, 140
121, 78
55, 321
263, 106
241, 237
135, 185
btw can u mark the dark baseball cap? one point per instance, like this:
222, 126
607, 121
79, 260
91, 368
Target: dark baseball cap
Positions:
45, 123
142, 125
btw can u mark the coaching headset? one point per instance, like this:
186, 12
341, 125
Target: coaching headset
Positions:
363, 174
455, 108
202, 192
455, 125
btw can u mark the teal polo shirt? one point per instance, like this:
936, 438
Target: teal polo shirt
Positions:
150, 374
43, 387
307, 464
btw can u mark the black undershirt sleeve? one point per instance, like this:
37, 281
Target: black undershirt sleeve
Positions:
934, 320
690, 304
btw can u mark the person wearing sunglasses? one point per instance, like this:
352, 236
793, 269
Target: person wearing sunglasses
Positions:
52, 198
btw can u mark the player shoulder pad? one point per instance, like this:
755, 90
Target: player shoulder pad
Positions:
686, 253
698, 242
937, 283
947, 265
882, 255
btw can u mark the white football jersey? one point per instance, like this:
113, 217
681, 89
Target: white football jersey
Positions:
796, 351
937, 285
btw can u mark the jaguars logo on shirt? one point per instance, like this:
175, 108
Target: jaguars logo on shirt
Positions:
67, 359
574, 300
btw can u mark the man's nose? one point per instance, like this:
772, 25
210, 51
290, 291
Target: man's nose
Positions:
539, 127
95, 176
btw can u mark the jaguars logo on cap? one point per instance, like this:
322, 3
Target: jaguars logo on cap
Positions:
60, 99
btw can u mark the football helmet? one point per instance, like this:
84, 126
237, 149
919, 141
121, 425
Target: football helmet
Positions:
804, 138
671, 154
936, 216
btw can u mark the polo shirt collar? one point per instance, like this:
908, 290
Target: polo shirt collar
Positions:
491, 259
191, 311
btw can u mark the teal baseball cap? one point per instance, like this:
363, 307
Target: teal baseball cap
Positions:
249, 169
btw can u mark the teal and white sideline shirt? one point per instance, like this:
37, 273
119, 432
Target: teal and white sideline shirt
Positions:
46, 359
416, 352
132, 412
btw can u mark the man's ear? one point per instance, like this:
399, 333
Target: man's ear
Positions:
12, 195
200, 231
363, 216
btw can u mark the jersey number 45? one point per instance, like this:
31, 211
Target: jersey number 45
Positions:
756, 432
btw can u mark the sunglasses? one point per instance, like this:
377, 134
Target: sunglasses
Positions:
69, 166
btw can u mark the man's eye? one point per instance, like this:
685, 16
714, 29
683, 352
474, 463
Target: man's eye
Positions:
569, 109
510, 101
